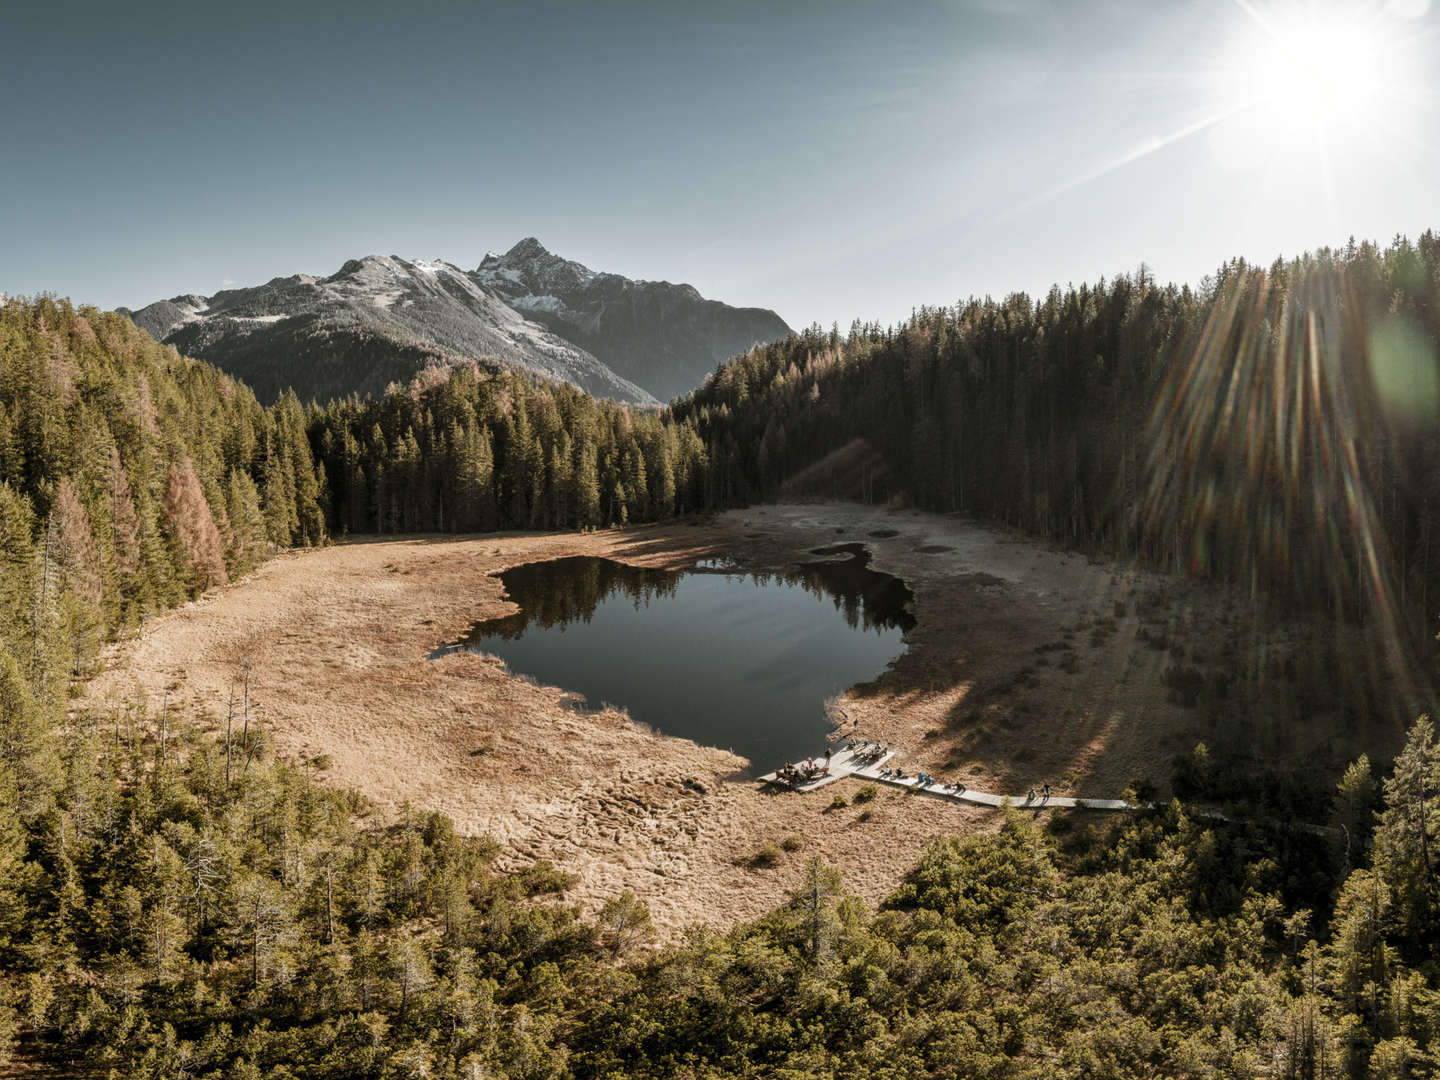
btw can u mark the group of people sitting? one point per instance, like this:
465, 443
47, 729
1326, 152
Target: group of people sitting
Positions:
803, 772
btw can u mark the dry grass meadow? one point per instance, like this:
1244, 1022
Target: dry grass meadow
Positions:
1027, 665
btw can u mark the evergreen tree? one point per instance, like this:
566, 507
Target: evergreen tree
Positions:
1407, 840
27, 755
16, 876
248, 539
585, 486
17, 565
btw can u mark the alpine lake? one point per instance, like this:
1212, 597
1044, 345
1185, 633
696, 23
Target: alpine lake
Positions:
739, 660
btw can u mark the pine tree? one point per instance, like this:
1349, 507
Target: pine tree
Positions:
559, 461
305, 485
276, 499
585, 486
521, 461
17, 569
1407, 839
813, 904
637, 484
261, 923
123, 524
248, 540
164, 926
1355, 803
474, 480
26, 752
624, 923
16, 876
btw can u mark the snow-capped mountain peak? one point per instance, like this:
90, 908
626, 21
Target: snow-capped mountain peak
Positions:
663, 336
381, 317
379, 308
529, 266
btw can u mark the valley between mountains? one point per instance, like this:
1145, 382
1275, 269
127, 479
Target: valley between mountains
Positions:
1022, 669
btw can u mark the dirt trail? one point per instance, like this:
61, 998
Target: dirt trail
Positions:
338, 640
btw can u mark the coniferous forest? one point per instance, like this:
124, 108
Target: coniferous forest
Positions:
1275, 428
173, 903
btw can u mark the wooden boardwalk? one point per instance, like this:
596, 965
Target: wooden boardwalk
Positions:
845, 761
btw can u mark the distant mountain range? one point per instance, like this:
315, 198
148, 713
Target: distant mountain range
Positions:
381, 319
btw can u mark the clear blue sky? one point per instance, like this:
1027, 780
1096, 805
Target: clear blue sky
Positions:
830, 160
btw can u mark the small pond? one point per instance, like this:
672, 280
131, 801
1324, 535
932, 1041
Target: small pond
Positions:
736, 660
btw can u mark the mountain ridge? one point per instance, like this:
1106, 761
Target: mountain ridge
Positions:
663, 335
380, 318
376, 320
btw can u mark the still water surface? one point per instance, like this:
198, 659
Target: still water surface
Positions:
736, 660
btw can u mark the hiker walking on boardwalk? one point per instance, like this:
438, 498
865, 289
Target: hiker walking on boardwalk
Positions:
1046, 790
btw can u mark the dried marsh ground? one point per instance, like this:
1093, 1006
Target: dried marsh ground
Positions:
1027, 665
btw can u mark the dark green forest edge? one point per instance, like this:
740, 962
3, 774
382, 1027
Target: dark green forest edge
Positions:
177, 904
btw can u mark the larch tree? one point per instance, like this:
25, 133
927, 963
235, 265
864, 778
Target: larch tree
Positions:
193, 527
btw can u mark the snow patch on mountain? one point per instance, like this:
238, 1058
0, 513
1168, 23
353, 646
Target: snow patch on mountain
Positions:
413, 303
541, 303
613, 336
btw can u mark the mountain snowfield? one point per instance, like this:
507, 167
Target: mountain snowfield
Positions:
382, 318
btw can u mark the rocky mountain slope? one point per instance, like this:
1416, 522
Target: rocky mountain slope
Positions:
382, 318
375, 321
663, 336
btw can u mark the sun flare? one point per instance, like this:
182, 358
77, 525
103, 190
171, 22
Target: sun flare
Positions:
1319, 71
1304, 94
1318, 66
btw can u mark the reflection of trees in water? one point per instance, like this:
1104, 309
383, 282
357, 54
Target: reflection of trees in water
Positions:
560, 591
868, 598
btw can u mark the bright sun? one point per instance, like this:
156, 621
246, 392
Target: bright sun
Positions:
1315, 66
1312, 98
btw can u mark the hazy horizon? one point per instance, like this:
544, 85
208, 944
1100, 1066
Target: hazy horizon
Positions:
833, 162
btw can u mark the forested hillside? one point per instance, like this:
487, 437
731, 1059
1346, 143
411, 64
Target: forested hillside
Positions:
465, 450
1278, 428
130, 478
